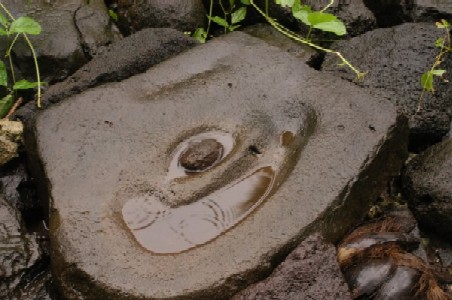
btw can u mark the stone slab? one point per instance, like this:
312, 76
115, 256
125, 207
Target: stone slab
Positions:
309, 152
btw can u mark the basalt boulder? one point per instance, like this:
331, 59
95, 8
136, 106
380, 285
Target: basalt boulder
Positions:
302, 151
428, 187
72, 31
394, 59
185, 15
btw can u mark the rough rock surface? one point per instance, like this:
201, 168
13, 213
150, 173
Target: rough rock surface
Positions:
18, 188
122, 59
309, 153
395, 59
18, 252
310, 271
390, 13
71, 32
10, 140
428, 187
184, 15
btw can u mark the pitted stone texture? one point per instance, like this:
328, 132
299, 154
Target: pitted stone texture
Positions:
184, 15
311, 271
10, 140
122, 59
67, 39
108, 144
395, 59
428, 188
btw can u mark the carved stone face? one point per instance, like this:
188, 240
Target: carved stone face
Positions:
167, 223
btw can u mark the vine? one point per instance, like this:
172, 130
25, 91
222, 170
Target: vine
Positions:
23, 26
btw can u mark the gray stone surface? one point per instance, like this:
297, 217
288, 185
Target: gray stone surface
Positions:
129, 56
67, 39
427, 185
271, 36
395, 59
310, 271
184, 15
308, 152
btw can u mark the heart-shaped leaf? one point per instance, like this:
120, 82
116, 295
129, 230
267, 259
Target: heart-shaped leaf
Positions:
25, 25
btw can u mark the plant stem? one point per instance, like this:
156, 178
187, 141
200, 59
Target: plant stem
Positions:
328, 6
38, 76
210, 16
438, 59
294, 36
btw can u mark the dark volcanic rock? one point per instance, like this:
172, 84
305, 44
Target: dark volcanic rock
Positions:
395, 59
311, 271
18, 252
66, 34
184, 15
395, 12
122, 59
428, 187
105, 156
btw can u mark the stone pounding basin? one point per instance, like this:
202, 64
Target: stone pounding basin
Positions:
192, 180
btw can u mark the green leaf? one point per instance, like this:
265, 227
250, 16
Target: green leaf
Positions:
327, 22
439, 42
25, 25
5, 105
233, 27
427, 81
3, 74
200, 35
24, 85
3, 32
220, 21
320, 17
113, 15
245, 2
238, 15
231, 3
301, 12
3, 20
438, 72
336, 27
284, 3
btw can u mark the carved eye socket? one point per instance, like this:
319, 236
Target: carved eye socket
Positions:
200, 153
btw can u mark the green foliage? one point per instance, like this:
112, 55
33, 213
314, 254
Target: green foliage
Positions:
427, 79
12, 29
320, 20
113, 15
232, 15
